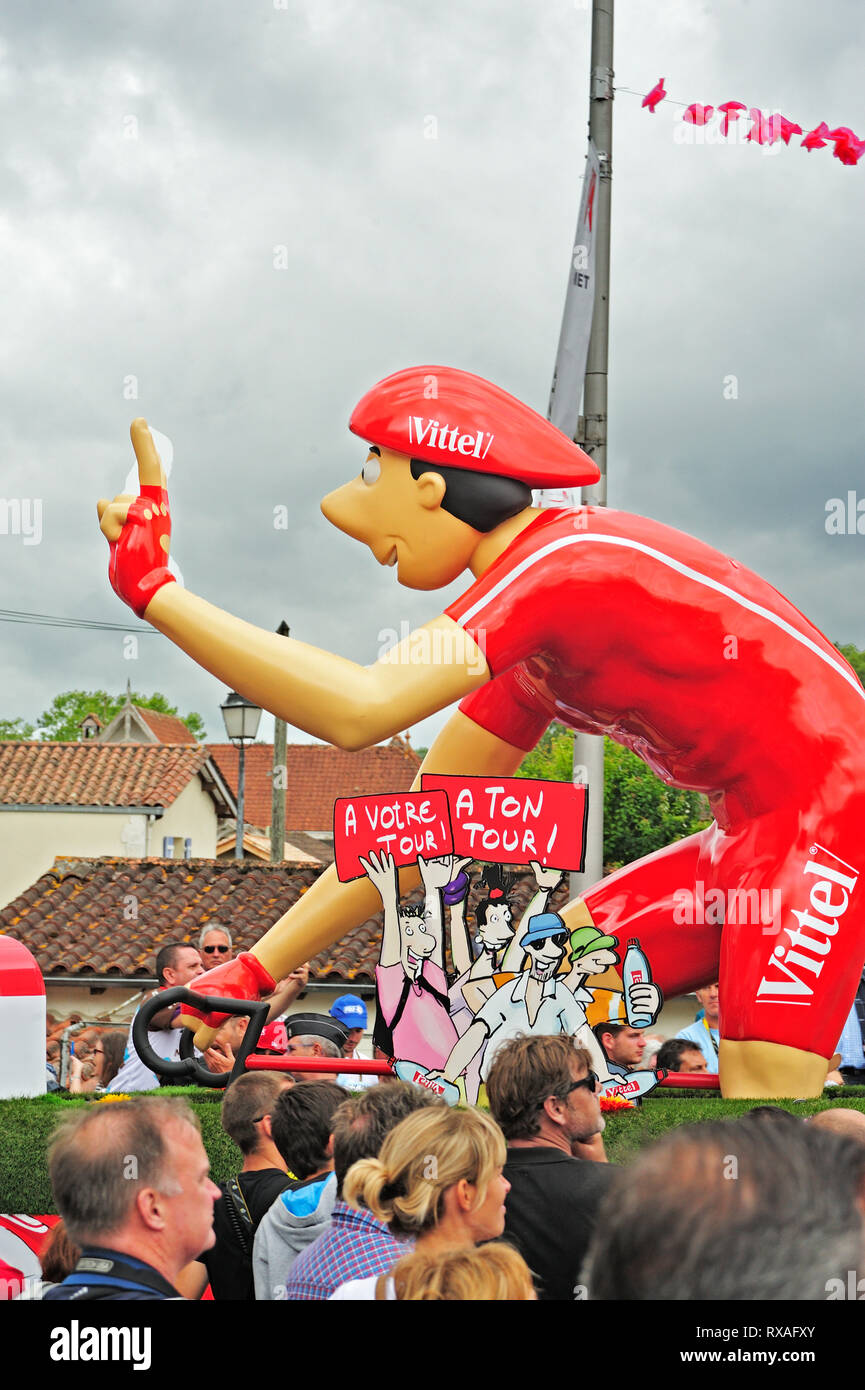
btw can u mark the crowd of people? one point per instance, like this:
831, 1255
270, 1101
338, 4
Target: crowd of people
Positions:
389, 1194
357, 1188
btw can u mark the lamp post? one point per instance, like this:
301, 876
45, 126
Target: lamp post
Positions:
241, 718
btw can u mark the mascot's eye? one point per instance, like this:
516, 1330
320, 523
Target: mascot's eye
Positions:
371, 471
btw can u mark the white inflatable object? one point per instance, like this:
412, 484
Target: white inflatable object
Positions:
22, 1022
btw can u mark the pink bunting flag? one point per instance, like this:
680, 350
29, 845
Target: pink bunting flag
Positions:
655, 96
731, 112
789, 128
697, 114
765, 129
848, 147
815, 139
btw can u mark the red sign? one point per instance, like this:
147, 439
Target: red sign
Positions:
513, 820
404, 824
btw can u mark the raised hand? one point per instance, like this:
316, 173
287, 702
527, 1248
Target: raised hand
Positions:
545, 878
138, 529
381, 870
436, 873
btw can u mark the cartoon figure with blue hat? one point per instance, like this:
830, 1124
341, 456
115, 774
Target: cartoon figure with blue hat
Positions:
534, 1001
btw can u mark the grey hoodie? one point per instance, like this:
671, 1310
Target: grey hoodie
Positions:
298, 1217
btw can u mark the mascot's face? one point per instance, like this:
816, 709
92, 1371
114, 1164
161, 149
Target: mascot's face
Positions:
401, 519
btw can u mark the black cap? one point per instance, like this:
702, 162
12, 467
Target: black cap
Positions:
317, 1025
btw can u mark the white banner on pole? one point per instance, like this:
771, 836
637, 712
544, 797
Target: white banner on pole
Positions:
570, 368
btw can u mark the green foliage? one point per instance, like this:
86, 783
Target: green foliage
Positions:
14, 728
856, 657
62, 719
641, 813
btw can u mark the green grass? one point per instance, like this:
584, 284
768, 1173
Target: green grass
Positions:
26, 1127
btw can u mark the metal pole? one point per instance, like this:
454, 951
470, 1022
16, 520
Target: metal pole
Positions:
277, 804
589, 748
241, 771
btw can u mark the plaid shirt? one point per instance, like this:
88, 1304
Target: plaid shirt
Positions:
356, 1246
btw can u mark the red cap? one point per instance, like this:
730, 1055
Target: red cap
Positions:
274, 1036
458, 420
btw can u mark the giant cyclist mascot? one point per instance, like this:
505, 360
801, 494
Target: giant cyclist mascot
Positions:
612, 624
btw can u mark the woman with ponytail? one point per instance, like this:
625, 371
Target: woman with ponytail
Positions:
438, 1181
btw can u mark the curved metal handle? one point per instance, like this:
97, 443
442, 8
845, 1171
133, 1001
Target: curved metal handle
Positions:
190, 1068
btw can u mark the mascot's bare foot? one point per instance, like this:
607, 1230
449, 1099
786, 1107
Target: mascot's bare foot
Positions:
769, 1071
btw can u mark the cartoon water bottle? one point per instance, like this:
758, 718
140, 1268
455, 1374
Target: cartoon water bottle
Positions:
636, 971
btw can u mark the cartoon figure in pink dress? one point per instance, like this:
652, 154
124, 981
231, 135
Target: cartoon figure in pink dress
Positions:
412, 1015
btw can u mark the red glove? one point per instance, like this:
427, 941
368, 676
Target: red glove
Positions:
242, 978
138, 563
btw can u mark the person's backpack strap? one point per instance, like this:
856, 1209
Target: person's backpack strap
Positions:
238, 1214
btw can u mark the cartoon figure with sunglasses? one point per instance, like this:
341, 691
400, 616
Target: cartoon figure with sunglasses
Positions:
538, 1000
499, 951
534, 1001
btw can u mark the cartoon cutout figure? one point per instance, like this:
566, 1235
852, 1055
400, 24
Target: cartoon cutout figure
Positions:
413, 1022
591, 954
613, 623
478, 978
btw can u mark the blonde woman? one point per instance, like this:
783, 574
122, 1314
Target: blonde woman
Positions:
494, 1273
438, 1180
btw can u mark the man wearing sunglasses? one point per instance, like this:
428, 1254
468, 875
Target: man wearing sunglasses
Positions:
215, 944
543, 1094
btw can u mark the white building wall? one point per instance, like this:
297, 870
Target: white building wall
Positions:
31, 840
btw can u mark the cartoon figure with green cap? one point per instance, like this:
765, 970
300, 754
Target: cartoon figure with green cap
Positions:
591, 954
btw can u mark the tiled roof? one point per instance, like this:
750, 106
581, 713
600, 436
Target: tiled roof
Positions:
258, 846
96, 774
167, 728
316, 774
109, 917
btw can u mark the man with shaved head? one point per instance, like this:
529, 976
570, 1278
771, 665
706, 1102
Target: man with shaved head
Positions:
131, 1181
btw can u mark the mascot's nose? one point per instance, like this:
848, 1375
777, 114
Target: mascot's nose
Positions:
342, 508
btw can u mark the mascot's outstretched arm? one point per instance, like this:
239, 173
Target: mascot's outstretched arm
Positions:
329, 697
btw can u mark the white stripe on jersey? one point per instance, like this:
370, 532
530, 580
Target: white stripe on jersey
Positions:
677, 565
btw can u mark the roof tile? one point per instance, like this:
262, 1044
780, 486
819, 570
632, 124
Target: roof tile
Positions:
95, 774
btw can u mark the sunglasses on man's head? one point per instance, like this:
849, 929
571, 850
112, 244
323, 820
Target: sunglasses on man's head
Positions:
208, 950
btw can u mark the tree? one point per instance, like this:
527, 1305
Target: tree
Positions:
14, 728
641, 813
855, 656
62, 720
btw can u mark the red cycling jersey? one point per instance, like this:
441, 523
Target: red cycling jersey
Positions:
619, 625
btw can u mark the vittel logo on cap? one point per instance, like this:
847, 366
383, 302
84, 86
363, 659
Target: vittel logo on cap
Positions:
452, 439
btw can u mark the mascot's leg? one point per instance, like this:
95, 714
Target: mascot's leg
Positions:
792, 949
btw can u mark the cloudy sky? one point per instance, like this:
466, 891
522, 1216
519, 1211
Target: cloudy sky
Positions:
155, 159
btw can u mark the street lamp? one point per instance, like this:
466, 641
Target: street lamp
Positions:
241, 718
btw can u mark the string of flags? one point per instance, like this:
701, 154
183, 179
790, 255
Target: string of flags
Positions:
766, 129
